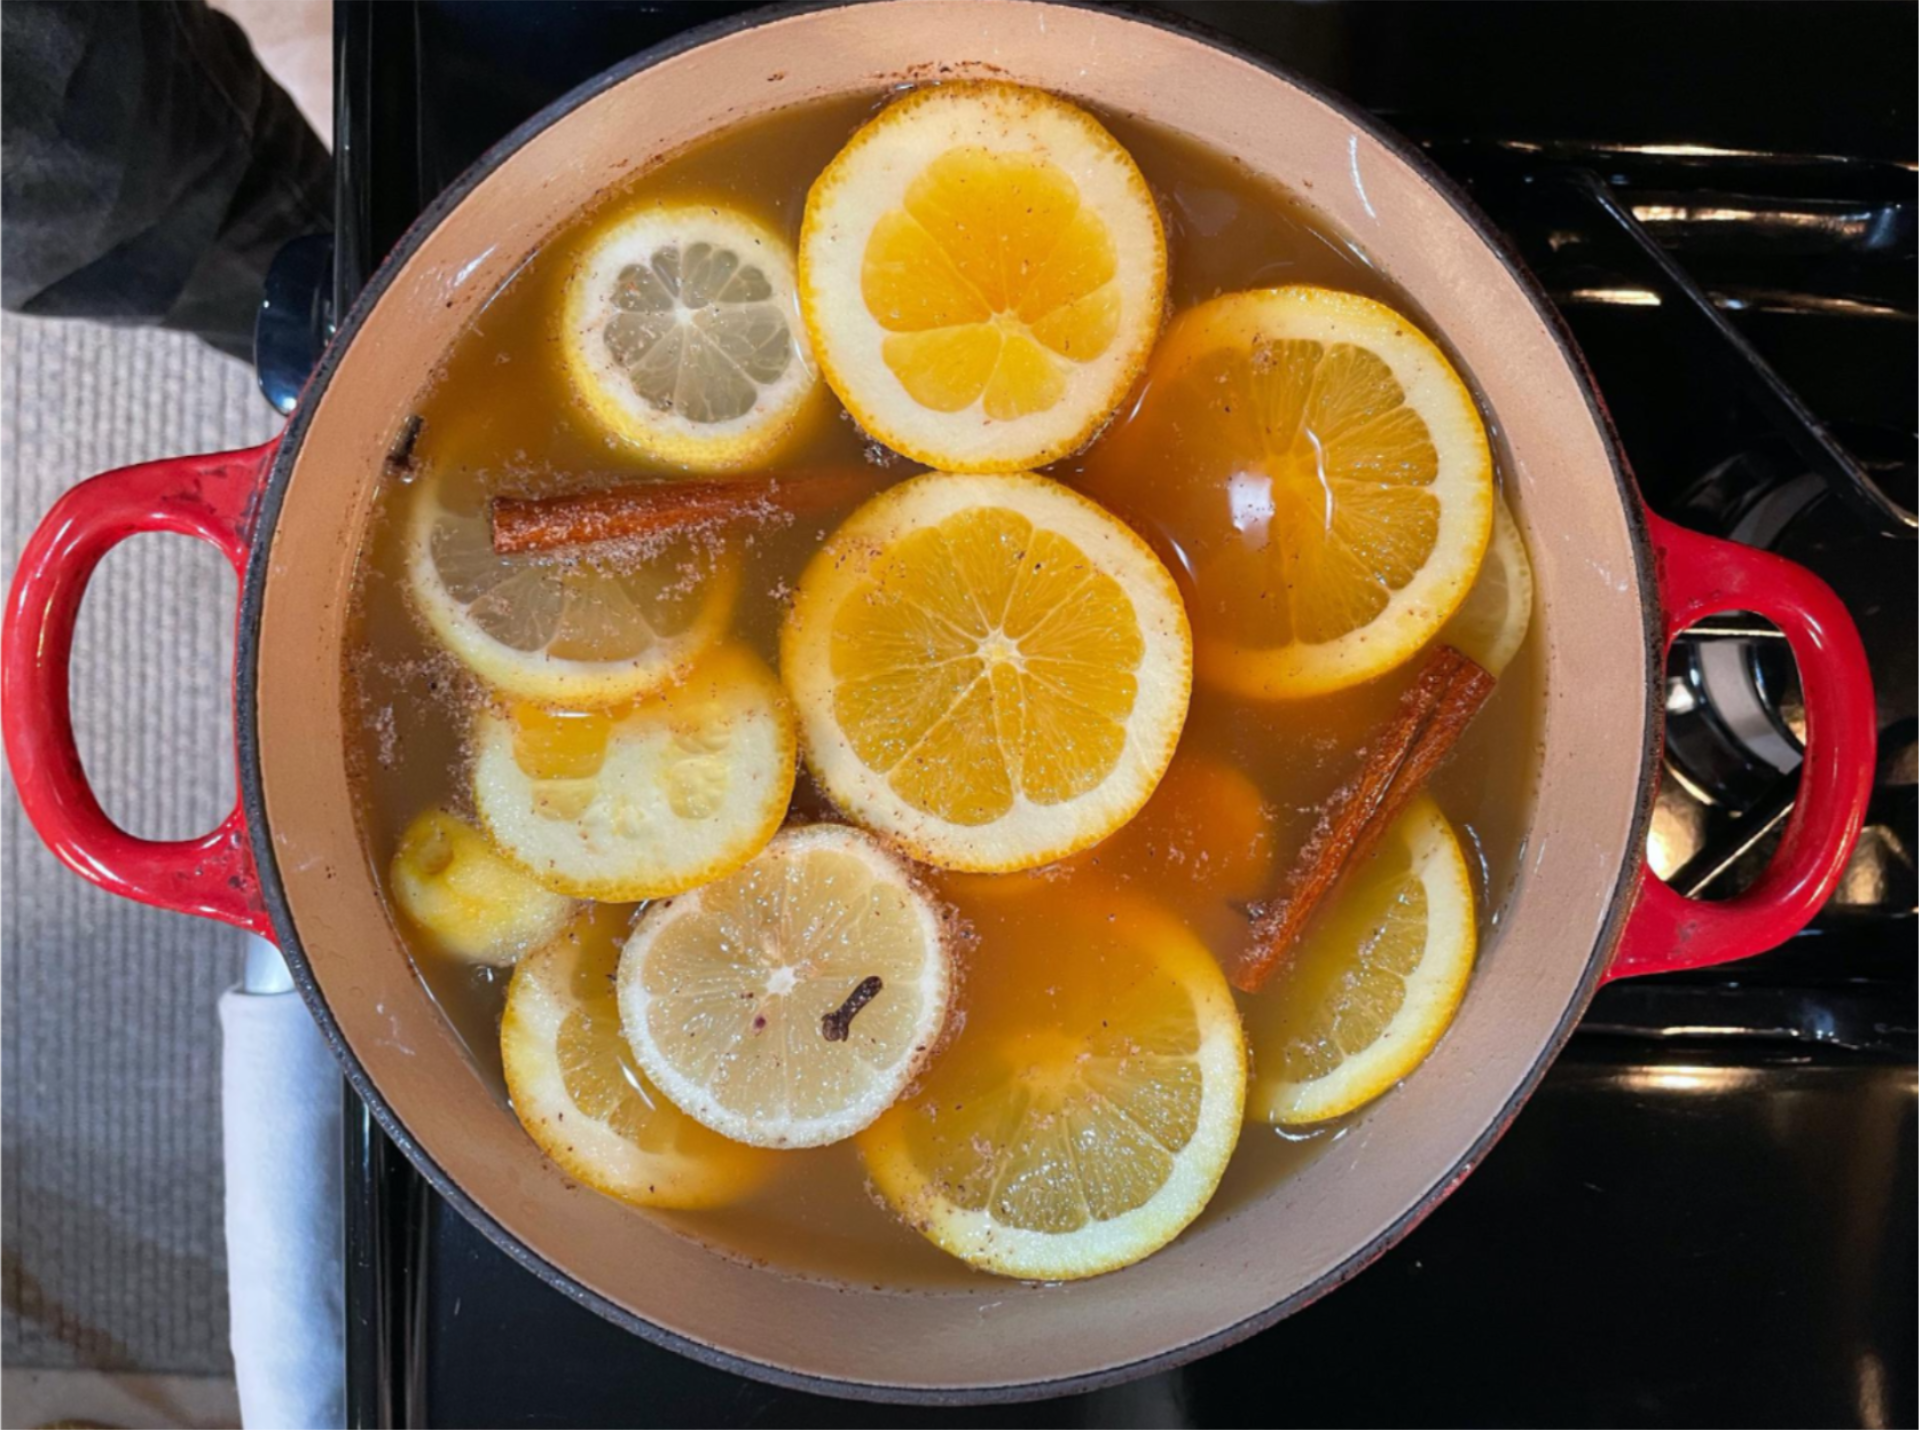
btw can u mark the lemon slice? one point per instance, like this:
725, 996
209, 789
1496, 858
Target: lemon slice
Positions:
1373, 983
475, 905
585, 629
1084, 1114
1323, 470
1492, 622
681, 334
982, 273
991, 669
645, 801
575, 1089
790, 1003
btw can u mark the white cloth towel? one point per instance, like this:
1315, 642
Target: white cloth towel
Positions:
282, 1132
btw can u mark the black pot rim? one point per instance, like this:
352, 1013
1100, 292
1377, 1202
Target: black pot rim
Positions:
274, 894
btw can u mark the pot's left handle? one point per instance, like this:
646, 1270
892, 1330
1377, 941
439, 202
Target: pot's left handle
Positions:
212, 497
1702, 576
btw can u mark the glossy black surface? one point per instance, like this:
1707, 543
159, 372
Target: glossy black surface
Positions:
426, 85
295, 318
1704, 1236
1706, 1215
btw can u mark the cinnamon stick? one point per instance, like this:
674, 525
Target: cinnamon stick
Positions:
1436, 710
522, 524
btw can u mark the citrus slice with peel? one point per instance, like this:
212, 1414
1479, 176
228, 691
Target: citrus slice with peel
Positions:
575, 1088
1372, 984
1491, 624
475, 905
1083, 1116
645, 800
982, 274
789, 1003
681, 334
1208, 834
991, 670
586, 628
1323, 470
1207, 827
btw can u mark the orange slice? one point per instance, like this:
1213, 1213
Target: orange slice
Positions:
990, 669
1207, 833
982, 273
1324, 473
1084, 1114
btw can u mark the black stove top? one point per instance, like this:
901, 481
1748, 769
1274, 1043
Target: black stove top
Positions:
1707, 1213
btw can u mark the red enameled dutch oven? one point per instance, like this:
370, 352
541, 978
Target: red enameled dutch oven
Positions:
1615, 584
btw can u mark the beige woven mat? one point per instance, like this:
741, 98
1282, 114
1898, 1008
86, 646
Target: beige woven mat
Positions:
112, 1187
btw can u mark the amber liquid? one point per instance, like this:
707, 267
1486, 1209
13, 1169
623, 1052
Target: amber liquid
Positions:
499, 412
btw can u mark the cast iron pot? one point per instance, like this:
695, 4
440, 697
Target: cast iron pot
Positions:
1614, 585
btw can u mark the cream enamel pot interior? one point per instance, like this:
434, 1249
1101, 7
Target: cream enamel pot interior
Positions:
1613, 586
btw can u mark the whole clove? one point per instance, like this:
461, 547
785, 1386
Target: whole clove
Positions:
835, 1026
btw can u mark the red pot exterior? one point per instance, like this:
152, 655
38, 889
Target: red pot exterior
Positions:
1700, 576
212, 497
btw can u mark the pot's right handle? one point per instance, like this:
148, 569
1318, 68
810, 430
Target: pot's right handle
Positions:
1700, 576
211, 497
